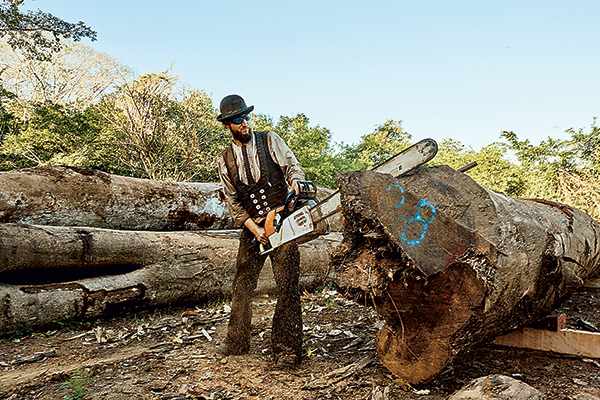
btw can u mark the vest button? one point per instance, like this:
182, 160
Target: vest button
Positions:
262, 190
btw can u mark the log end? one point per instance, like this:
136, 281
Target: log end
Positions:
424, 319
398, 357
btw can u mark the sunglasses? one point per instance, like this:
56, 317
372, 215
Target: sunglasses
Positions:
237, 121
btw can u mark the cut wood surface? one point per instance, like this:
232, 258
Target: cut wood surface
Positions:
76, 196
126, 270
450, 264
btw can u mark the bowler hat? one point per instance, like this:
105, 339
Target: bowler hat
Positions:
233, 106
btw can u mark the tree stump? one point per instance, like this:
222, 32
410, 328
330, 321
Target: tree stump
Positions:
450, 265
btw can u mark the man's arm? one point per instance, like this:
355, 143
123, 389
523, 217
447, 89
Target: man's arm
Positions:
284, 157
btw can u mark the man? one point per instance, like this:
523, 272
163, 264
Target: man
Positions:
257, 171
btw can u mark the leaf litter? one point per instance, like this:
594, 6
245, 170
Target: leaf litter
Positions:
171, 353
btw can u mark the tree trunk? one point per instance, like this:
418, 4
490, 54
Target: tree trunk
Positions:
449, 264
67, 273
76, 196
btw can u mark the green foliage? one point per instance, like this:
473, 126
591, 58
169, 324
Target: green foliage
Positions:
374, 148
24, 328
9, 124
494, 170
55, 135
38, 33
585, 150
77, 384
540, 166
311, 145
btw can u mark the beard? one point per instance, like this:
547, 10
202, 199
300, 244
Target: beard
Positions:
244, 138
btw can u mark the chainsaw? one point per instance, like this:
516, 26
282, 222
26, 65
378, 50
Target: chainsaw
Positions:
302, 217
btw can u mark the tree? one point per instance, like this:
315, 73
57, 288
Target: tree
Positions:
50, 108
541, 165
585, 147
8, 123
161, 133
38, 33
387, 140
77, 76
57, 134
494, 170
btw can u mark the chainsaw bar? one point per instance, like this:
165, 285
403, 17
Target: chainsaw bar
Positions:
310, 220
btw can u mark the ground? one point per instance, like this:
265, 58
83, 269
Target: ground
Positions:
171, 353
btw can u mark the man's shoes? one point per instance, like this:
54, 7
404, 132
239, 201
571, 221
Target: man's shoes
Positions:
287, 360
228, 350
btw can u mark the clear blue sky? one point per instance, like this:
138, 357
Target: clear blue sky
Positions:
448, 69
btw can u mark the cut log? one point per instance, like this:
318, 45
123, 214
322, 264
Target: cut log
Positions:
76, 196
125, 270
450, 265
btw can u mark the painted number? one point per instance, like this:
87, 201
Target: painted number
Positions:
418, 218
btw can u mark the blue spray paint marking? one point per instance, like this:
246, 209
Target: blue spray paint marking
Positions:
419, 218
401, 190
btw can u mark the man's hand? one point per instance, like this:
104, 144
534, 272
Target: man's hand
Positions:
295, 187
259, 232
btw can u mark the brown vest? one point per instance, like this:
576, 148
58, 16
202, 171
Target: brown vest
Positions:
270, 190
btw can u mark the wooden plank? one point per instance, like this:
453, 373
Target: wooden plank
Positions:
551, 323
592, 283
566, 341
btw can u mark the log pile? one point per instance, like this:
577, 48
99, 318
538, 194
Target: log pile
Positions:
77, 244
447, 263
450, 265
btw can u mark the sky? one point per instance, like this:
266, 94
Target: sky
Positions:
465, 70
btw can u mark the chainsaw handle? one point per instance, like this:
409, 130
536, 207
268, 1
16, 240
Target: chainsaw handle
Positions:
290, 200
306, 190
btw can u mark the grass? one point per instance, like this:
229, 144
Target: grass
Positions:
77, 384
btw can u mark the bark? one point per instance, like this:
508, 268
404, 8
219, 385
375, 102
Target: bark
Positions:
450, 265
76, 196
128, 270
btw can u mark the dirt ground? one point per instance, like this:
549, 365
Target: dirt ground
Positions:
172, 354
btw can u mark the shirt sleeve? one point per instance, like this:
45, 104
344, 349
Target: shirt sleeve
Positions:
236, 210
284, 157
